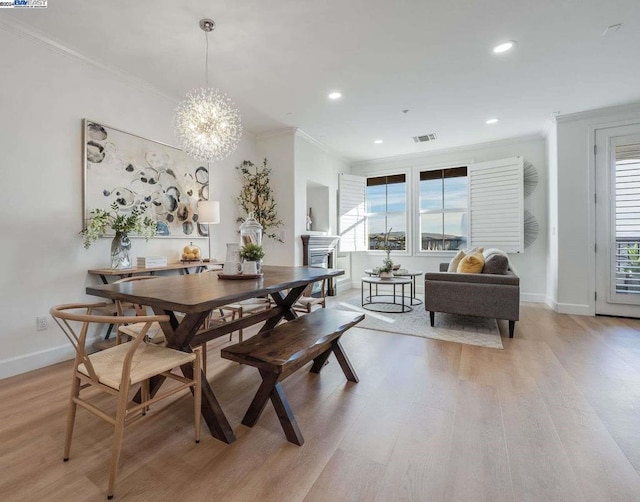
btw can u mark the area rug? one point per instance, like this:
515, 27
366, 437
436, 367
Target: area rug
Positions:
448, 327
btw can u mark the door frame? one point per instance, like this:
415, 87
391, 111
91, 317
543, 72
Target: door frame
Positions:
591, 212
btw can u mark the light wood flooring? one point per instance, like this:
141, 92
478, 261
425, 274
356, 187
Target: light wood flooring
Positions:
555, 416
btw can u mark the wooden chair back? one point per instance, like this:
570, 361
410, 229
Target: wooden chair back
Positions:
75, 327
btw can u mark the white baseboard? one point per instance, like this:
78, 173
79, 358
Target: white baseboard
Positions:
35, 360
533, 297
551, 303
39, 359
569, 308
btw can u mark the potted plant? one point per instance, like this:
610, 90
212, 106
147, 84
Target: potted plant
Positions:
386, 270
123, 223
251, 255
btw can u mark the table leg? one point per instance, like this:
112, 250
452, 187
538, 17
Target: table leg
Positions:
179, 336
412, 289
211, 409
402, 298
284, 301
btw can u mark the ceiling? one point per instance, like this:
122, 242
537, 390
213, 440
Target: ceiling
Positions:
278, 60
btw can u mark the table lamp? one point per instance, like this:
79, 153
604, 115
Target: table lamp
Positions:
209, 214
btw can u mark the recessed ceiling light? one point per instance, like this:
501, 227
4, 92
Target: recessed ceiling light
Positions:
378, 141
335, 95
504, 47
493, 120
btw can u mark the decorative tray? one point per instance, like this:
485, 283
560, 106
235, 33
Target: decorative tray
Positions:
190, 261
239, 277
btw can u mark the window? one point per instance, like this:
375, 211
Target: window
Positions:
387, 211
443, 196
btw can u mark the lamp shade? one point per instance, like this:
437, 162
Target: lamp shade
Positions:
208, 212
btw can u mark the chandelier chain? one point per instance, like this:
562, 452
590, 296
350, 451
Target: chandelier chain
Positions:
206, 59
207, 123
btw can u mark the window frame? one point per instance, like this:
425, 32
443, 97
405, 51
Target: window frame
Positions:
408, 176
419, 211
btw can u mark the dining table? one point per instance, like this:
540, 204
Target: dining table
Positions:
188, 300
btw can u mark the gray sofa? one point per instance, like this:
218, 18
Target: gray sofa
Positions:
482, 295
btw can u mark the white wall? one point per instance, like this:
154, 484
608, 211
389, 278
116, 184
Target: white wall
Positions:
299, 161
575, 188
316, 165
278, 148
44, 94
530, 265
552, 220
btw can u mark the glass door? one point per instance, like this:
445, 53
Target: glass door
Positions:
618, 221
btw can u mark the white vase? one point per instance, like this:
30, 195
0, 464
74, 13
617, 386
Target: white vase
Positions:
385, 275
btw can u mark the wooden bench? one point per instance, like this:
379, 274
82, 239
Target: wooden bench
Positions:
286, 348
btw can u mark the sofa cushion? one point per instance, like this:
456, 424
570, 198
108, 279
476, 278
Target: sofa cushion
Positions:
496, 264
471, 264
453, 264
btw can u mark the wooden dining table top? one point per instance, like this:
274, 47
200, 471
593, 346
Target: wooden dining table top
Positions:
205, 291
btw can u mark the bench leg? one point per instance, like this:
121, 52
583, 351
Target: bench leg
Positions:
285, 415
271, 389
269, 380
320, 361
344, 362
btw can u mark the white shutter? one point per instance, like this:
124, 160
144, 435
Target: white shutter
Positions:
496, 204
352, 213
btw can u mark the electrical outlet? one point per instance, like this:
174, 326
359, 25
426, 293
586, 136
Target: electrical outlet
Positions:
41, 323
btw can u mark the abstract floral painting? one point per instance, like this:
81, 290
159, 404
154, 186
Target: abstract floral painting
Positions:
136, 172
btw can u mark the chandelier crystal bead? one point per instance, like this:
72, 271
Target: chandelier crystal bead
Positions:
208, 124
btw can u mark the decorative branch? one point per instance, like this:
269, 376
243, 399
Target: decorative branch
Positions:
256, 196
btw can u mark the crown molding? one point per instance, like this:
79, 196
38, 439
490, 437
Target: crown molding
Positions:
633, 107
287, 131
454, 149
27, 32
319, 144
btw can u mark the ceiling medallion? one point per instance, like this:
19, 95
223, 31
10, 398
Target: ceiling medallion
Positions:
207, 122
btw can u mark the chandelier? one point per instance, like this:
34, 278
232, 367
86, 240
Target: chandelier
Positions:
207, 122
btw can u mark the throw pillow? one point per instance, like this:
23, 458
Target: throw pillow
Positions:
453, 265
496, 264
491, 251
471, 264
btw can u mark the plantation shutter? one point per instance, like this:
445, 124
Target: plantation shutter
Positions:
352, 213
627, 219
496, 204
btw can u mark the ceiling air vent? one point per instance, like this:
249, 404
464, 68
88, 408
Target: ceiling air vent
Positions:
425, 137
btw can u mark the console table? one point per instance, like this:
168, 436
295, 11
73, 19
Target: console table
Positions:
184, 268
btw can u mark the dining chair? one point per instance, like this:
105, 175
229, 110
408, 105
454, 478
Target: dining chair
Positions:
155, 334
120, 369
239, 309
244, 308
306, 302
